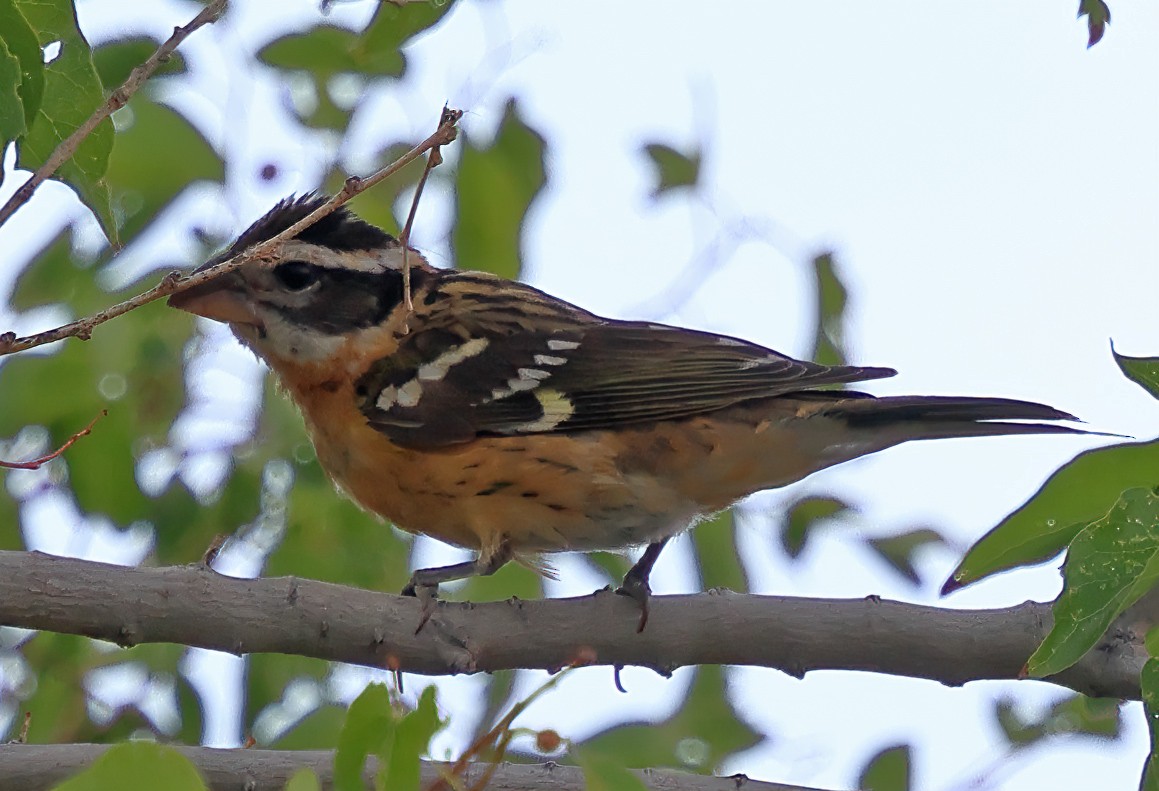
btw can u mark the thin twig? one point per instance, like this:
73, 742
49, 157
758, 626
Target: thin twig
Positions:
500, 735
434, 159
117, 99
174, 282
36, 464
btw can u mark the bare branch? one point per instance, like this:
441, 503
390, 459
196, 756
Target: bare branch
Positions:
36, 464
174, 282
117, 99
39, 767
195, 606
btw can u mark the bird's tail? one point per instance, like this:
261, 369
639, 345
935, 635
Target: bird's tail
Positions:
934, 417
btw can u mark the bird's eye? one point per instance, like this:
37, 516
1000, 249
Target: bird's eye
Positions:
296, 275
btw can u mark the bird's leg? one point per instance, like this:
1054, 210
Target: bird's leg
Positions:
424, 583
636, 580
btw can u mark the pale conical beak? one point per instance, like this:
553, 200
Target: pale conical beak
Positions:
221, 299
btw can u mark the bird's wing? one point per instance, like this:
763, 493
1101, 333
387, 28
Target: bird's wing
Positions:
447, 385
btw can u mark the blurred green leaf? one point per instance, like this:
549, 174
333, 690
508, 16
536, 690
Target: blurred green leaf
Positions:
1109, 566
899, 550
400, 767
144, 174
829, 334
1098, 16
1080, 492
1150, 684
377, 206
494, 190
11, 537
55, 276
137, 766
511, 580
673, 168
804, 515
1143, 371
304, 780
20, 41
698, 737
889, 770
1076, 715
370, 724
602, 773
131, 368
394, 24
116, 60
318, 730
72, 91
58, 703
715, 542
11, 108
325, 51
267, 678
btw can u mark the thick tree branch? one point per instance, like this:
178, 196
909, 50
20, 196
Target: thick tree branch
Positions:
36, 767
195, 606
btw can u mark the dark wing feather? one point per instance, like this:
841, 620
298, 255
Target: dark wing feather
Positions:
583, 373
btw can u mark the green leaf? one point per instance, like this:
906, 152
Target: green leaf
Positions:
20, 41
1075, 715
1080, 492
115, 61
1150, 684
698, 737
1143, 371
401, 767
889, 770
54, 276
898, 551
715, 542
132, 368
137, 766
318, 730
1098, 16
1109, 566
803, 516
829, 334
370, 724
72, 92
394, 24
602, 773
495, 188
673, 168
327, 50
144, 174
304, 780
11, 108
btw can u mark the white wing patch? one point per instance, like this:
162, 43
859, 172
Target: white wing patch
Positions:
557, 408
408, 394
559, 345
437, 368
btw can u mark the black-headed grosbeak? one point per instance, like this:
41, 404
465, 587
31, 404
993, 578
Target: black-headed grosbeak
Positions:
498, 418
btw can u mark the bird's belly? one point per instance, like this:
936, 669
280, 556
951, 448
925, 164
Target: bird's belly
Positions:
538, 494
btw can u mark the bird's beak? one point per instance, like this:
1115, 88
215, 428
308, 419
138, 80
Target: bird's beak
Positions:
221, 299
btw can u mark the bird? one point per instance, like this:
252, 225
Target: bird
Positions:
492, 416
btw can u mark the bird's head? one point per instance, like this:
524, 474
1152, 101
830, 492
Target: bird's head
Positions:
300, 303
